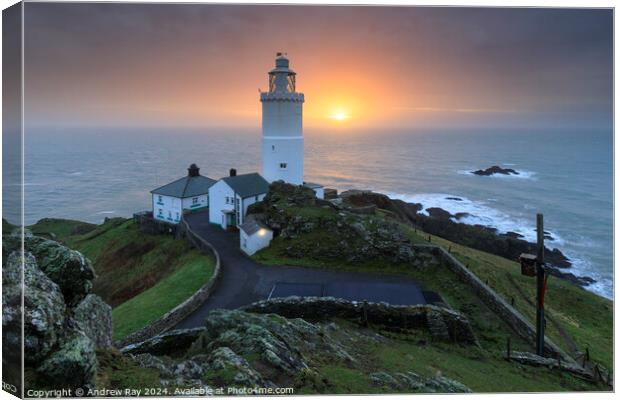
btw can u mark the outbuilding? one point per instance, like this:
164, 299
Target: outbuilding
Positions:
188, 193
254, 236
231, 196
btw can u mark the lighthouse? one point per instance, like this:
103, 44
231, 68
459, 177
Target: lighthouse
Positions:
283, 140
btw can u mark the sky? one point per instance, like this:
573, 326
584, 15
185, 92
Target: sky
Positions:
376, 68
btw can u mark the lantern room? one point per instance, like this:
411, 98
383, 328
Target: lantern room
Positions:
281, 78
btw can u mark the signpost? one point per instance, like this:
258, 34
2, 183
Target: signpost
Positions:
534, 265
540, 287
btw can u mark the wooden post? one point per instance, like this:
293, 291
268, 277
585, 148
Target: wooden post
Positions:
364, 314
587, 354
540, 279
508, 348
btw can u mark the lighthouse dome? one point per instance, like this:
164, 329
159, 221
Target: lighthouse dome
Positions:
281, 61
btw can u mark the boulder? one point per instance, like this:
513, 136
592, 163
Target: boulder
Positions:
44, 308
73, 365
68, 268
94, 318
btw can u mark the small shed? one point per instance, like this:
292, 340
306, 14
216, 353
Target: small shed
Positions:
254, 236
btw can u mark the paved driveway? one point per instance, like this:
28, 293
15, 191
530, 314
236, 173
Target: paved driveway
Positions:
244, 281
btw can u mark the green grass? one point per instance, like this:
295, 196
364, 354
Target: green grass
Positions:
480, 369
164, 296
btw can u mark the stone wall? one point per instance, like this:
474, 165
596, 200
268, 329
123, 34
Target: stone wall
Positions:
180, 312
521, 325
442, 323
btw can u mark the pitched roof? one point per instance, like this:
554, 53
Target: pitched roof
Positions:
247, 185
251, 226
188, 186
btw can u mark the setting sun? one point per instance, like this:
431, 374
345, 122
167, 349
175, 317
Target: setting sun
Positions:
339, 116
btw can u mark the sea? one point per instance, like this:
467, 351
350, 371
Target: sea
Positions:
91, 174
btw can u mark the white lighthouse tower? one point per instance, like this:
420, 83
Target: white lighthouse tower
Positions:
283, 140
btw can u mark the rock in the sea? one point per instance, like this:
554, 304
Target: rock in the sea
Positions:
496, 169
44, 308
439, 213
94, 317
68, 268
73, 365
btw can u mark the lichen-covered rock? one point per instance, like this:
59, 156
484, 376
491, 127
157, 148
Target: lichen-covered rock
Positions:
224, 360
44, 308
94, 317
68, 268
412, 382
279, 342
73, 365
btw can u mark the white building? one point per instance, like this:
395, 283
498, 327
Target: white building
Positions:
254, 236
188, 193
230, 198
283, 136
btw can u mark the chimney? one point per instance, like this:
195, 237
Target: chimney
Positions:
193, 170
233, 172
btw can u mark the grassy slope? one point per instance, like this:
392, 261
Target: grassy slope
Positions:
584, 317
133, 269
480, 370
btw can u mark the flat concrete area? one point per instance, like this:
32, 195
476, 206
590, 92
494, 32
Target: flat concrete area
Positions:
244, 281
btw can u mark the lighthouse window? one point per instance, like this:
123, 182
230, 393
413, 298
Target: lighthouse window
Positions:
283, 165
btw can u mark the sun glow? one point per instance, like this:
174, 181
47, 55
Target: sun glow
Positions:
339, 116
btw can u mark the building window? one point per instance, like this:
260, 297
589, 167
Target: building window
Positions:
283, 165
226, 199
273, 147
159, 199
195, 200
161, 212
177, 216
245, 243
256, 198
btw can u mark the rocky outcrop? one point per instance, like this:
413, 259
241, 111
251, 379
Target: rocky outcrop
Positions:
442, 323
73, 364
412, 382
496, 169
94, 317
63, 323
68, 268
443, 224
44, 308
329, 232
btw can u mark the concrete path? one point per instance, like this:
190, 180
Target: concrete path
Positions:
244, 281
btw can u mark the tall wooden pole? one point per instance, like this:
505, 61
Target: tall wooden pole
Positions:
540, 287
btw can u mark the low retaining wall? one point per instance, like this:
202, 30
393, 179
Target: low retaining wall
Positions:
177, 314
521, 325
442, 323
